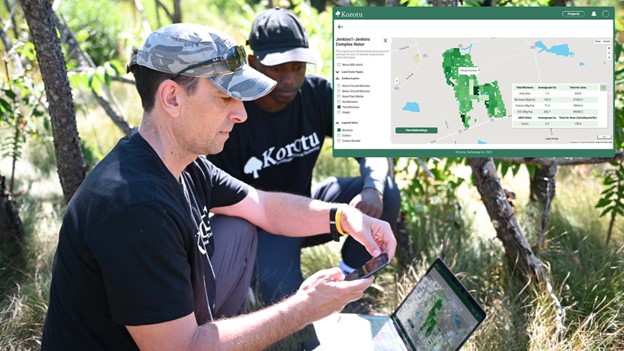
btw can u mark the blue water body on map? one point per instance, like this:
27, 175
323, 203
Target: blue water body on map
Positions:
581, 64
457, 321
560, 50
479, 141
411, 107
467, 48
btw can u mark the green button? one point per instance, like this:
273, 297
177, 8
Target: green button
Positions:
573, 14
417, 130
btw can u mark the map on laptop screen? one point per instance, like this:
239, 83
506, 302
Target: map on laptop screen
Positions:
437, 314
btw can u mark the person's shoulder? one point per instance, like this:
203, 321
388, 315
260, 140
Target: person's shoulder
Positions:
206, 174
315, 79
204, 165
129, 174
317, 83
205, 171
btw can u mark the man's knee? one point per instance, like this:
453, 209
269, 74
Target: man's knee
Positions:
234, 228
235, 242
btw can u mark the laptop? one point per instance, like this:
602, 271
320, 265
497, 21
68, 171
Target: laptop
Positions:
438, 314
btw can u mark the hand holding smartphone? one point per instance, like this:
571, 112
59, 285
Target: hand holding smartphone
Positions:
369, 268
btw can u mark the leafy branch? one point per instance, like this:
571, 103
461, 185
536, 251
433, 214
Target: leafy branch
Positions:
20, 101
612, 197
98, 78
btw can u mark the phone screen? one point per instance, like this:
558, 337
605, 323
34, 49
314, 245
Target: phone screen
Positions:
369, 268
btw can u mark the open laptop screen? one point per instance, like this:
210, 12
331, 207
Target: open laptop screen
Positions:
439, 313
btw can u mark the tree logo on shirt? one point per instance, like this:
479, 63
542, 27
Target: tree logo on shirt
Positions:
253, 166
274, 156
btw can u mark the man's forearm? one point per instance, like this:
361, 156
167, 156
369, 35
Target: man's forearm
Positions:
294, 215
321, 294
254, 331
298, 216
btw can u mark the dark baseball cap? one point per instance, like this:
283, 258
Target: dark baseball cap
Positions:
278, 37
197, 51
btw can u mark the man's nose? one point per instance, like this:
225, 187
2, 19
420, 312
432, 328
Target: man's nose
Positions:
238, 114
287, 78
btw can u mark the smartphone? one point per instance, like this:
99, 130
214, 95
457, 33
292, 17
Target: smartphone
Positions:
369, 268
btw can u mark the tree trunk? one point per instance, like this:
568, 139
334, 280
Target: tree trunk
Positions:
69, 159
157, 7
518, 250
5, 40
11, 229
177, 12
562, 161
404, 250
175, 17
542, 194
443, 3
542, 184
11, 9
146, 26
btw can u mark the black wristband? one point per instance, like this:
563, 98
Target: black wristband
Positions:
332, 224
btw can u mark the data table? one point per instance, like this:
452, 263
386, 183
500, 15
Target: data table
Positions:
559, 105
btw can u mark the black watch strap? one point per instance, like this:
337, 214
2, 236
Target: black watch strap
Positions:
333, 230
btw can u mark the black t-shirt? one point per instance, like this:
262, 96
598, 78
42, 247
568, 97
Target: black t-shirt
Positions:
132, 249
276, 151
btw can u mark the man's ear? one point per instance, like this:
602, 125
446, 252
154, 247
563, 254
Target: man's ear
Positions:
168, 97
252, 61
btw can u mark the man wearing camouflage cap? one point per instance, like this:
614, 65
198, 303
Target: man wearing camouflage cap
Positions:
137, 265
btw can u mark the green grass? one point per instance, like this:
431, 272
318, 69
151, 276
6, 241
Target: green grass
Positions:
25, 269
25, 288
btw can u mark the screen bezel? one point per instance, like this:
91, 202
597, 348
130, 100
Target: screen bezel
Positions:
462, 293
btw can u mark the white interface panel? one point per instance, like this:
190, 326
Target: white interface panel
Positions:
473, 82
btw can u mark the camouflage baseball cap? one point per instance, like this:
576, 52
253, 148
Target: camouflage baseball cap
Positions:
198, 51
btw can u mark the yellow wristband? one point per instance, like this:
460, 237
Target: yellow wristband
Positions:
338, 222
